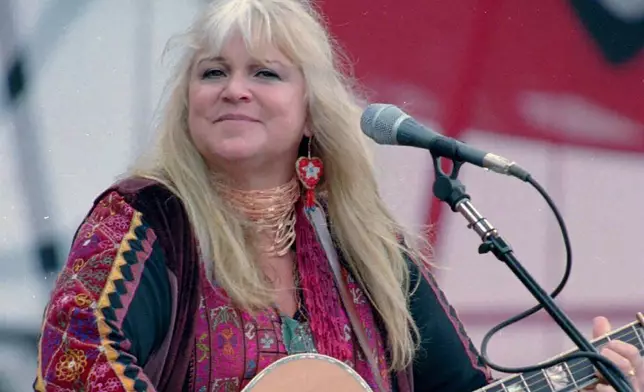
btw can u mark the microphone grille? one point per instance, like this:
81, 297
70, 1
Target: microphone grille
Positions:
378, 121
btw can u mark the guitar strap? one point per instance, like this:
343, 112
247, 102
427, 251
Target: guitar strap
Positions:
319, 223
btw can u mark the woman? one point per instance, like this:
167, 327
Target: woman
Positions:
206, 264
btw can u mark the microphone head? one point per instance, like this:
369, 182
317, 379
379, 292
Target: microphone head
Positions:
378, 121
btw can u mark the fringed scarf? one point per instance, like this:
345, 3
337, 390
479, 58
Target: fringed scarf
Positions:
327, 316
325, 310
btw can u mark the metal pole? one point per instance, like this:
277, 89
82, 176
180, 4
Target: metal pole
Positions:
30, 164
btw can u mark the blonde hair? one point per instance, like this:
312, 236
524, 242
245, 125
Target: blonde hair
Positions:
364, 228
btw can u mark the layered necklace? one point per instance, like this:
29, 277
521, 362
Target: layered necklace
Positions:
272, 212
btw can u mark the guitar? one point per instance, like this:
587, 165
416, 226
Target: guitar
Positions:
308, 373
320, 373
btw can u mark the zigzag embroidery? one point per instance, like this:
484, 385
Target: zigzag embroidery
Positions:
134, 249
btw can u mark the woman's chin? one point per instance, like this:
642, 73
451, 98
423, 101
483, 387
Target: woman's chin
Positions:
237, 155
237, 149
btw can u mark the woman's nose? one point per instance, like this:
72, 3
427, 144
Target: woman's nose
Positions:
237, 89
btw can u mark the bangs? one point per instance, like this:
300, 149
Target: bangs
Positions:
260, 25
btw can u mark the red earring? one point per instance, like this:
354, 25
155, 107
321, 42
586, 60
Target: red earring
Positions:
309, 171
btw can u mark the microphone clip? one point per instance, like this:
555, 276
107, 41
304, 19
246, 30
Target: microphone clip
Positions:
447, 187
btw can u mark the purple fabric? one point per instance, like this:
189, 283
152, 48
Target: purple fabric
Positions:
167, 216
228, 330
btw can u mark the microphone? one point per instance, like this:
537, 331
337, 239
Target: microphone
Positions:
387, 124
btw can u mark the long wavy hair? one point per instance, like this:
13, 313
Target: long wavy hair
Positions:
365, 230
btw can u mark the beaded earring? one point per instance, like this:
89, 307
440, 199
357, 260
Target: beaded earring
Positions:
309, 171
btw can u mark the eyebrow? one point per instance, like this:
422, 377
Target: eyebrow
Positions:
220, 59
215, 59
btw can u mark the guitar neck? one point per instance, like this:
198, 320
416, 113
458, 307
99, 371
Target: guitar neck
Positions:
571, 375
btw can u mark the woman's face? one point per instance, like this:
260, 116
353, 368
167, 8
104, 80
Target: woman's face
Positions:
247, 112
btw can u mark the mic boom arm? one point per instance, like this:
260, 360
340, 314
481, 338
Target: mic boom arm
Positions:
449, 189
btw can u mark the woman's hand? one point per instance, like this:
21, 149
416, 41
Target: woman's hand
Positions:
624, 355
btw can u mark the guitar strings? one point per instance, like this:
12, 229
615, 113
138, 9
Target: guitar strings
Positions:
572, 368
525, 381
631, 336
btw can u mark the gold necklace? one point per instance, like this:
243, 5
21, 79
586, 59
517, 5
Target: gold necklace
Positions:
272, 211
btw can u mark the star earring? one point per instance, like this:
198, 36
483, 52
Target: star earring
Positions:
309, 171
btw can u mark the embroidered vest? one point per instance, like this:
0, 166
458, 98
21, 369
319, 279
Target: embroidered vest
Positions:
232, 347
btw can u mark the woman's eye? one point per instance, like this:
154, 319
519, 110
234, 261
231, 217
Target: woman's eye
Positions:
212, 73
265, 73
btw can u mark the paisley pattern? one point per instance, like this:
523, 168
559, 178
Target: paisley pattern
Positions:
232, 347
113, 278
82, 346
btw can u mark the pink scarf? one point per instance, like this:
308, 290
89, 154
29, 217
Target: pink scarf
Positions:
328, 319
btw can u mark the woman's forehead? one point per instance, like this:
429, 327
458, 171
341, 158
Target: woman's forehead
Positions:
264, 51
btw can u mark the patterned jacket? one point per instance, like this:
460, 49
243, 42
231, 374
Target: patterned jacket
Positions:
132, 310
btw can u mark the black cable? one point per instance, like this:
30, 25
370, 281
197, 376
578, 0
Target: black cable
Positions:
591, 356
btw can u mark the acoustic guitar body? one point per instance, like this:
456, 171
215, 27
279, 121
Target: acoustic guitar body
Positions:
308, 373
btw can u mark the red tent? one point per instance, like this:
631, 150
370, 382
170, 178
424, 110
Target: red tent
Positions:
567, 71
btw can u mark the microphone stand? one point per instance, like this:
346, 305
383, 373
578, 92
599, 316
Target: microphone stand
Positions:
449, 189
